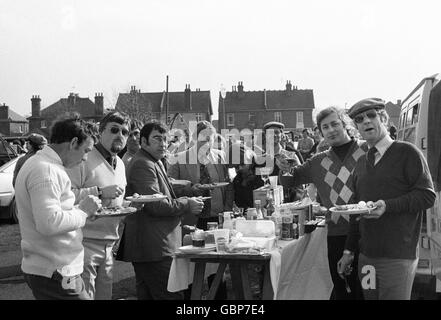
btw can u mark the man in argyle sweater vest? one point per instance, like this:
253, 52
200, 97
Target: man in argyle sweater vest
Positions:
330, 171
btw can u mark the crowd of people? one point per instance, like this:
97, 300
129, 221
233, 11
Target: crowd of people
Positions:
69, 251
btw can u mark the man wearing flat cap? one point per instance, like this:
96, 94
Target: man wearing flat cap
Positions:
394, 175
34, 143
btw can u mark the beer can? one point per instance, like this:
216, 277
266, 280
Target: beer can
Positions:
221, 219
287, 222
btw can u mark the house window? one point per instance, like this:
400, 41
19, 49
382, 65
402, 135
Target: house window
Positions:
230, 119
20, 129
43, 123
299, 119
198, 117
278, 116
251, 117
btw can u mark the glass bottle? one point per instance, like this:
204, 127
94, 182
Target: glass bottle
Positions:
257, 205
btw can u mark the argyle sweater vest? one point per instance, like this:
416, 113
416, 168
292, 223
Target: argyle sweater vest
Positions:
331, 177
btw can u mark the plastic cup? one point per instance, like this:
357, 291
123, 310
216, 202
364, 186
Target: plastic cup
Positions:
273, 181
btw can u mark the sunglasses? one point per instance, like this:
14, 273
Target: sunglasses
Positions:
372, 114
116, 130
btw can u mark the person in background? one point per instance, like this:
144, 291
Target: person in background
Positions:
394, 175
50, 224
305, 144
153, 234
320, 143
132, 144
102, 175
34, 142
393, 132
330, 172
273, 131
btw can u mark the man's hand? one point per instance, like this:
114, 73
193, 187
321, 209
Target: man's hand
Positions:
90, 205
377, 212
344, 264
112, 192
196, 205
286, 164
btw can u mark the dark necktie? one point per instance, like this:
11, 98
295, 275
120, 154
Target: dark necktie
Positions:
371, 156
204, 178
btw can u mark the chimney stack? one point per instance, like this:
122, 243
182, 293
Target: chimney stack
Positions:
288, 86
36, 106
399, 102
99, 104
4, 112
240, 89
187, 97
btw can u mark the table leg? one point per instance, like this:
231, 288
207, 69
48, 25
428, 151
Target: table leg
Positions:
216, 282
236, 281
198, 281
246, 287
267, 288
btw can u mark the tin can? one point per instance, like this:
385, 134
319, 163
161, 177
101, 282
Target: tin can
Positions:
221, 219
287, 222
212, 225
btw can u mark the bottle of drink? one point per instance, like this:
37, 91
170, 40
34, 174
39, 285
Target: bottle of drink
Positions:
270, 206
276, 217
228, 222
257, 205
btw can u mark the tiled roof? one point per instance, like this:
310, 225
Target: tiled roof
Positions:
156, 101
275, 99
84, 106
16, 117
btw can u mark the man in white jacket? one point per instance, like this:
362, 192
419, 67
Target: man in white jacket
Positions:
103, 175
50, 224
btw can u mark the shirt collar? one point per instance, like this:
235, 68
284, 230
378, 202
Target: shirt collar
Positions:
384, 144
105, 153
52, 154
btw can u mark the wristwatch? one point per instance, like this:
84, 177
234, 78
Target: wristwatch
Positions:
348, 252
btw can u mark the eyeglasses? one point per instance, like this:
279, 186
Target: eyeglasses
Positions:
372, 114
116, 130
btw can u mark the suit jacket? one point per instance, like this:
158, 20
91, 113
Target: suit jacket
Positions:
154, 231
185, 168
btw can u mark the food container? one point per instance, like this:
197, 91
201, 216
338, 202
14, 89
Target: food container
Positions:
212, 225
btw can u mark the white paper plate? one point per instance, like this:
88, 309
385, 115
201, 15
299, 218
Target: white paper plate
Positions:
214, 185
351, 210
180, 182
146, 198
106, 212
192, 249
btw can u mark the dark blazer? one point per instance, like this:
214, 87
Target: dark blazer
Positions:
154, 231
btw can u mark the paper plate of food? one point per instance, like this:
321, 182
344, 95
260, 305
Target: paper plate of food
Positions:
357, 208
146, 197
192, 249
214, 185
180, 182
115, 211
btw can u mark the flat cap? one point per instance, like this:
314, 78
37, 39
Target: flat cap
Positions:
366, 104
37, 139
273, 124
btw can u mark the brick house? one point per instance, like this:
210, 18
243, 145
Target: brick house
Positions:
11, 123
183, 107
393, 110
40, 121
252, 109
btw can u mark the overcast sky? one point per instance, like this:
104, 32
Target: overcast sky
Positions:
343, 50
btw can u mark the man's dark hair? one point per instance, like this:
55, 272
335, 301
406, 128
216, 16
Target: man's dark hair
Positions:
149, 127
341, 114
64, 130
114, 116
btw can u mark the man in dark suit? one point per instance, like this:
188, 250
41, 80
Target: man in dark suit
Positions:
153, 233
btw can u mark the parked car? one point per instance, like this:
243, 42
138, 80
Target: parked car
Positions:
8, 209
6, 151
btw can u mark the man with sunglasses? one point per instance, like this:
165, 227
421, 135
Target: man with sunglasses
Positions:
103, 175
330, 172
153, 234
393, 175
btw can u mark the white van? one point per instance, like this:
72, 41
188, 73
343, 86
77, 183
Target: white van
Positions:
420, 124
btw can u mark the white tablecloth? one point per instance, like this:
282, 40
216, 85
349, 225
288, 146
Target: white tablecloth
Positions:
304, 272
